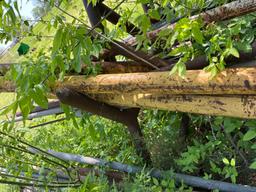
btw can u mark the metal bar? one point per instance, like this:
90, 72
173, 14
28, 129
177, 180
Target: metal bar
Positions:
52, 104
47, 123
52, 111
180, 178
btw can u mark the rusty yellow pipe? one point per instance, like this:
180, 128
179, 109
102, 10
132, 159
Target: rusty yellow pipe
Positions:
231, 81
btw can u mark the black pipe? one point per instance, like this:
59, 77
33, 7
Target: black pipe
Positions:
93, 14
127, 117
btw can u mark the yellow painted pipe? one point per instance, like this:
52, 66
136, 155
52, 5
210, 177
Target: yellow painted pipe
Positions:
231, 81
240, 106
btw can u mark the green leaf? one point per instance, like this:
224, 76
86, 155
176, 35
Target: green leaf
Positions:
155, 181
66, 109
214, 71
87, 43
225, 161
174, 69
144, 22
9, 108
12, 15
143, 1
57, 61
57, 40
26, 23
86, 60
254, 146
197, 34
25, 105
233, 178
153, 13
215, 59
177, 51
96, 49
23, 129
182, 69
243, 46
16, 7
164, 2
179, 67
74, 121
172, 39
164, 32
233, 162
233, 51
77, 59
249, 135
164, 183
231, 124
253, 165
39, 97
251, 123
92, 131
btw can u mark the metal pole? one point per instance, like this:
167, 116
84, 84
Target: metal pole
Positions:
93, 14
186, 179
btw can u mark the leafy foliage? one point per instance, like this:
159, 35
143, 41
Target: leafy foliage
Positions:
215, 147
